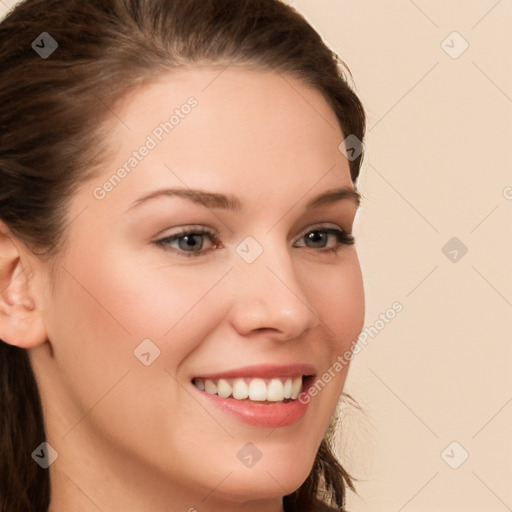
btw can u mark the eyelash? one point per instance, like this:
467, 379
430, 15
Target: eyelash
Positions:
343, 239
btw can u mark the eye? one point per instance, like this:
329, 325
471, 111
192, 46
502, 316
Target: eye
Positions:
189, 241
318, 238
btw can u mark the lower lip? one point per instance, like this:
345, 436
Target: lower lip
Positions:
260, 414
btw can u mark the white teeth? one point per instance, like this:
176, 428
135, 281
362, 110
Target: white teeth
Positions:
240, 389
210, 387
224, 388
277, 389
287, 392
258, 390
297, 384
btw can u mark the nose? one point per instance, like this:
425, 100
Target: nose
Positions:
268, 295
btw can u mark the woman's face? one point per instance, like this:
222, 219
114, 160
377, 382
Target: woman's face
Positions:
255, 293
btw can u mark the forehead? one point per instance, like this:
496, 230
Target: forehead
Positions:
233, 128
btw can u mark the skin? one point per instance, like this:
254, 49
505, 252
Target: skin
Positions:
129, 436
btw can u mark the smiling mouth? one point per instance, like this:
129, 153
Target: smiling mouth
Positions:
276, 390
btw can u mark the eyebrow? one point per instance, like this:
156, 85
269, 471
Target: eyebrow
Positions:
215, 200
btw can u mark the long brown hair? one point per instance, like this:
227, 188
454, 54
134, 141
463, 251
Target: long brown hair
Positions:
54, 111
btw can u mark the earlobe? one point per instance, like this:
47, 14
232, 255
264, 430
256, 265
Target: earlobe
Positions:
21, 322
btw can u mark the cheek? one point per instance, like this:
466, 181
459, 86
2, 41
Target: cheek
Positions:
101, 313
174, 306
124, 302
337, 295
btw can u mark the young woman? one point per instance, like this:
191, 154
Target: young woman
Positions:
179, 286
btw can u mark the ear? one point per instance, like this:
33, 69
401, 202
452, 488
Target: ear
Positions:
21, 321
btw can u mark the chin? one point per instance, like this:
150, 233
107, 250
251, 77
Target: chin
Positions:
273, 475
266, 486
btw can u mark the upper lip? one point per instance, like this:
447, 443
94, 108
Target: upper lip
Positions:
262, 371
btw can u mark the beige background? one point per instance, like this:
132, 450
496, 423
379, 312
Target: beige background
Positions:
437, 166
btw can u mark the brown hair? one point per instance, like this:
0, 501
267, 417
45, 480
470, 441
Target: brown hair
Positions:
54, 113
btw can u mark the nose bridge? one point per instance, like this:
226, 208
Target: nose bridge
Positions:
268, 293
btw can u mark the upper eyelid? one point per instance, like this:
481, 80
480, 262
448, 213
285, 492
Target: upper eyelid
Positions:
214, 235
323, 225
183, 231
193, 229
